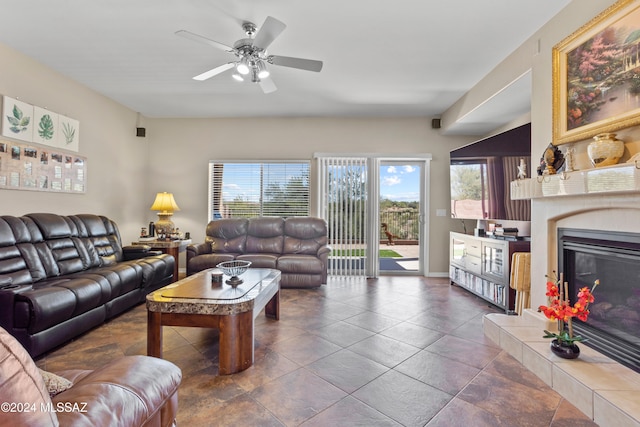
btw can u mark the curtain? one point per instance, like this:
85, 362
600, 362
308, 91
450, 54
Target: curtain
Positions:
495, 187
518, 210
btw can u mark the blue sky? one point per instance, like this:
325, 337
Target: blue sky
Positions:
400, 183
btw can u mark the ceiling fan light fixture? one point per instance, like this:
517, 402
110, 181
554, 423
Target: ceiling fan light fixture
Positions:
243, 67
237, 77
263, 72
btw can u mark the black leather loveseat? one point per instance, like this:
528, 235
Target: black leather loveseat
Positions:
63, 275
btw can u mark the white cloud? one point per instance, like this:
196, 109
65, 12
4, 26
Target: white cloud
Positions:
392, 169
409, 168
391, 180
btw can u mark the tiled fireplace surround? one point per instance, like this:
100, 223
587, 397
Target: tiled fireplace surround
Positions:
602, 388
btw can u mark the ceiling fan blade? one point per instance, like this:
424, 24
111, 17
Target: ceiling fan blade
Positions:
303, 64
268, 32
208, 74
268, 85
195, 37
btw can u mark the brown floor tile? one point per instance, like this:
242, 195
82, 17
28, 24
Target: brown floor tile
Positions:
305, 349
440, 372
343, 334
386, 352
297, 396
347, 370
412, 334
372, 321
350, 412
239, 411
461, 350
403, 399
459, 413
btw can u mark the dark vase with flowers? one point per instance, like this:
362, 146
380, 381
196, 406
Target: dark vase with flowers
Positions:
564, 349
560, 309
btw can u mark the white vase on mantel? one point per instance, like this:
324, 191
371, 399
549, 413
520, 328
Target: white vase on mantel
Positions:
605, 150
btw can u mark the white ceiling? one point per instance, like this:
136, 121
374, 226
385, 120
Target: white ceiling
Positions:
381, 58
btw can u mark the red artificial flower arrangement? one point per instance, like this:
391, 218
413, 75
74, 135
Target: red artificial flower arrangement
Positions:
561, 310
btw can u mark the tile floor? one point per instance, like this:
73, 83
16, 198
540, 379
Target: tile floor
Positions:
396, 351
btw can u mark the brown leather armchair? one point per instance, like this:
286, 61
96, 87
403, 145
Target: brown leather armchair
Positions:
130, 391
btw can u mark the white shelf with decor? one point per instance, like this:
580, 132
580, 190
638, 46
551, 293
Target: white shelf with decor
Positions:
621, 178
482, 266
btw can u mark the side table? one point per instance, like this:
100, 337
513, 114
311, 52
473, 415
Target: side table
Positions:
171, 247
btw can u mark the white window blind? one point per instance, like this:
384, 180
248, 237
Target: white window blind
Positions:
244, 189
343, 204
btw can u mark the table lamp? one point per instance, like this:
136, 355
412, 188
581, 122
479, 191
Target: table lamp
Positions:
165, 204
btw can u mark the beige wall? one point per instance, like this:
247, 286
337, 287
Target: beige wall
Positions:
181, 150
116, 166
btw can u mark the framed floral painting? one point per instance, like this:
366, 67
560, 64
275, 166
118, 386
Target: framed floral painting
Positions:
596, 75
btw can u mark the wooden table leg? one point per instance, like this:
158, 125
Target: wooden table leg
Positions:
154, 334
175, 252
272, 309
236, 343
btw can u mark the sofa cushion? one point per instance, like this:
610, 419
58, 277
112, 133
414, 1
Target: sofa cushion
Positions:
58, 300
228, 236
265, 235
22, 384
260, 260
300, 264
304, 235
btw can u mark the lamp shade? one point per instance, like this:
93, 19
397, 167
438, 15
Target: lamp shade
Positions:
165, 203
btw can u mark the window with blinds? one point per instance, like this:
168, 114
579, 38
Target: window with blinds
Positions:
245, 190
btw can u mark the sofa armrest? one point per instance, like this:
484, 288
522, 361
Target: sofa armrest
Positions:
198, 249
5, 281
135, 390
324, 251
137, 251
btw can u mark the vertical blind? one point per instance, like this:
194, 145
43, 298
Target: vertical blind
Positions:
343, 204
258, 189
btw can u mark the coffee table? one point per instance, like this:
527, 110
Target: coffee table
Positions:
196, 301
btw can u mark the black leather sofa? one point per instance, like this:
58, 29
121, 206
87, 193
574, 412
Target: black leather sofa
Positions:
63, 275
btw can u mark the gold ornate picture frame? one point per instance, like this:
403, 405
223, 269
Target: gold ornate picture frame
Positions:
596, 75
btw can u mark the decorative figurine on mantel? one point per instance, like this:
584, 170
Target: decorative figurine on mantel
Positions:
551, 161
569, 158
522, 170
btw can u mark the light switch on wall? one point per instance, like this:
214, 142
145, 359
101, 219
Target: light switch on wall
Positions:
441, 212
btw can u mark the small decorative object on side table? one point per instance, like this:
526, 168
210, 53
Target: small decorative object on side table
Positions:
560, 309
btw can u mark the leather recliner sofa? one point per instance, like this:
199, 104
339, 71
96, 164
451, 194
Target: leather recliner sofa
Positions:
63, 275
128, 391
296, 246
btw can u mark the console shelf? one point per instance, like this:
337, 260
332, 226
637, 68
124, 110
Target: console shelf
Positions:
482, 266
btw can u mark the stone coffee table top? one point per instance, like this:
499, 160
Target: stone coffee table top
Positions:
196, 294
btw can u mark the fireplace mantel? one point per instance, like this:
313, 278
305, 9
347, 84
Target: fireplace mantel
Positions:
622, 178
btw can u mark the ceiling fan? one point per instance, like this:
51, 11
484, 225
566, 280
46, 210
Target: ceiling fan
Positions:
252, 56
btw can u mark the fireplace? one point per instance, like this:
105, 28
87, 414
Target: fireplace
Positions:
613, 327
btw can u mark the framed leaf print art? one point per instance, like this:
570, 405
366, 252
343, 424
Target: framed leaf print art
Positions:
596, 75
17, 119
45, 126
68, 133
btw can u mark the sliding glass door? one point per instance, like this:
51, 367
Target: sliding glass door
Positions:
374, 207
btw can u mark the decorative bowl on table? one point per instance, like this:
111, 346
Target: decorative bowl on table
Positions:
234, 269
